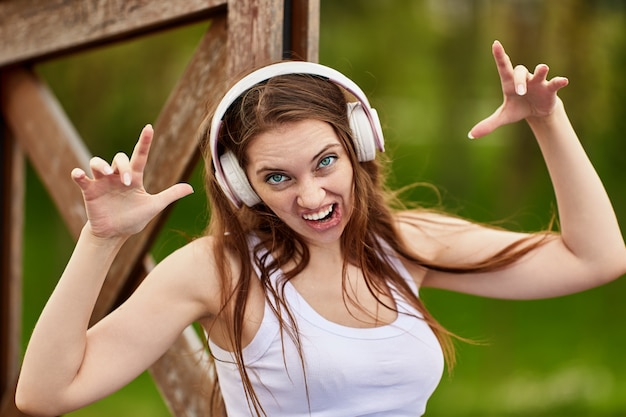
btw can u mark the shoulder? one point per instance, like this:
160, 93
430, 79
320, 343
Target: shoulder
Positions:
196, 257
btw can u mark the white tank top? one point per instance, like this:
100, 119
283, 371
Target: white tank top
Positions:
389, 370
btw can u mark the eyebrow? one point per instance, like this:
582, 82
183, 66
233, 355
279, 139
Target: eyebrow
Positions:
315, 157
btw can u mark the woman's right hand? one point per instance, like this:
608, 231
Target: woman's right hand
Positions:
116, 201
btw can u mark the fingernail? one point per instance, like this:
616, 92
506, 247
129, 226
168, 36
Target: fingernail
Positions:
521, 89
469, 135
107, 170
126, 179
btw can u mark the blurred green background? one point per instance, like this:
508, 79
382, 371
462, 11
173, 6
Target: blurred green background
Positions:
427, 68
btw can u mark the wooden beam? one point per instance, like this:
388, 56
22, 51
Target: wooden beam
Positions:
45, 133
7, 404
11, 238
174, 152
184, 377
305, 30
34, 29
255, 34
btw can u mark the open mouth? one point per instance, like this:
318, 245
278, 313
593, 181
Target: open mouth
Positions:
320, 216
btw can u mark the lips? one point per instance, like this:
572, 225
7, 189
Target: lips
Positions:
323, 214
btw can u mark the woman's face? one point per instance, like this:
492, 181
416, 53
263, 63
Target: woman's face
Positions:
303, 174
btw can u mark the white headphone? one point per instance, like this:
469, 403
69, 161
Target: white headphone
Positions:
366, 130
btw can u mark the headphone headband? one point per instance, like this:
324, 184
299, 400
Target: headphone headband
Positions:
270, 71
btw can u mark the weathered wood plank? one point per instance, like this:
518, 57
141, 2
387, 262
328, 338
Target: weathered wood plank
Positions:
11, 237
45, 133
255, 33
35, 29
174, 151
183, 377
305, 28
7, 404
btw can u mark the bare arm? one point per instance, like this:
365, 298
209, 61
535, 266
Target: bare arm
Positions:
67, 366
590, 249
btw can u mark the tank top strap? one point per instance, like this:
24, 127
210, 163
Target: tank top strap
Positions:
256, 259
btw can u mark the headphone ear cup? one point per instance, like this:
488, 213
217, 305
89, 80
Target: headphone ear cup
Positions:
237, 180
362, 133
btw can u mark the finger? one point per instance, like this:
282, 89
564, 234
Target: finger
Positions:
503, 63
520, 78
486, 126
173, 193
557, 83
99, 167
121, 165
80, 177
541, 73
139, 157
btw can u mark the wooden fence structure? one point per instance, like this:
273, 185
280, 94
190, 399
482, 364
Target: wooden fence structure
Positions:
242, 33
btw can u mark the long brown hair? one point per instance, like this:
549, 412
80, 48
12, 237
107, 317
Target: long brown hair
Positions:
371, 231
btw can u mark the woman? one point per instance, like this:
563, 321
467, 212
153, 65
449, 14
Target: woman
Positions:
307, 280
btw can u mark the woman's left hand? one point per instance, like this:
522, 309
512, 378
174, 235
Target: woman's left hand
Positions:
526, 94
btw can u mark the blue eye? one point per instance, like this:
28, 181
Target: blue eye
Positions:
327, 161
275, 178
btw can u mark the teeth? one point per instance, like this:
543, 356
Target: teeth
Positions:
319, 214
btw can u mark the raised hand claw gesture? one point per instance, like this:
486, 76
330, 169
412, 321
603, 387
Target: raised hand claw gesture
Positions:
526, 94
115, 199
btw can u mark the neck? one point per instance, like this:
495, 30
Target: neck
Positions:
329, 253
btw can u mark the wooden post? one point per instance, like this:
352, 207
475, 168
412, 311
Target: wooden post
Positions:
33, 113
255, 34
303, 25
11, 212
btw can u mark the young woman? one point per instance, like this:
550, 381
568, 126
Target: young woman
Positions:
307, 279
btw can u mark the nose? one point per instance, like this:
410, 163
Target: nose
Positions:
311, 194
